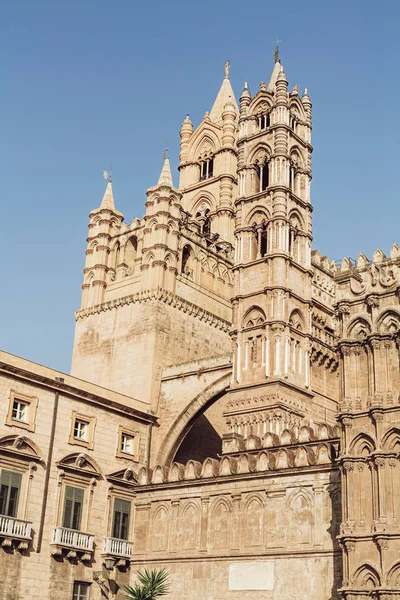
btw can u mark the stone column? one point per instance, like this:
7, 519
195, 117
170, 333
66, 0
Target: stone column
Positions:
205, 503
236, 522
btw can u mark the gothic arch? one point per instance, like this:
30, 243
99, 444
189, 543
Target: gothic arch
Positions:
186, 417
205, 198
130, 250
295, 103
262, 152
253, 316
297, 158
359, 328
220, 523
152, 223
362, 445
172, 225
296, 220
393, 577
262, 102
391, 440
257, 216
206, 133
366, 576
148, 259
296, 320
160, 527
388, 322
188, 525
295, 497
253, 521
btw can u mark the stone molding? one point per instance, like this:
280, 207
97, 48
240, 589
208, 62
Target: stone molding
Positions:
159, 295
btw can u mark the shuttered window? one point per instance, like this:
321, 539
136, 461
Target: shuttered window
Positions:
73, 504
122, 511
10, 486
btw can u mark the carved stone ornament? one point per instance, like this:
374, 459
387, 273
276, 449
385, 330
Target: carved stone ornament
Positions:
348, 466
343, 308
350, 545
372, 301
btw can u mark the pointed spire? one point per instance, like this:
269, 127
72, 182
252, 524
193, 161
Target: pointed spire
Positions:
223, 97
108, 198
246, 92
276, 70
166, 175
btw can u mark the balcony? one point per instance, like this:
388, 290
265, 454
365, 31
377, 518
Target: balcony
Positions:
17, 530
73, 541
116, 552
117, 548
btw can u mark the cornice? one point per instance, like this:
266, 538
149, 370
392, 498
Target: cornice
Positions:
158, 295
74, 392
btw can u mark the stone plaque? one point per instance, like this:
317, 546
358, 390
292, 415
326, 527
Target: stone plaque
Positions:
252, 575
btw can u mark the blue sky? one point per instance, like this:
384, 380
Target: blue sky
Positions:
88, 83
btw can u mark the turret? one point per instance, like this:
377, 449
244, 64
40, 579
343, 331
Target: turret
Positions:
160, 236
185, 133
104, 223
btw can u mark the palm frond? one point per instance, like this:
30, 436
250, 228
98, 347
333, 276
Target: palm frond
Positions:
136, 592
155, 582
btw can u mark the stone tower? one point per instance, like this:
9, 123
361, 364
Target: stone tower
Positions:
157, 292
272, 272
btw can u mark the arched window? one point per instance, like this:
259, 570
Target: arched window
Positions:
264, 121
261, 239
203, 218
263, 176
187, 268
131, 251
206, 168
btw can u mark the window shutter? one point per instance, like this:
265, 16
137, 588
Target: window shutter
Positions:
10, 486
122, 511
72, 507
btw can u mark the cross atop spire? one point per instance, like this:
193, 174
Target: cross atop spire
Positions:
276, 51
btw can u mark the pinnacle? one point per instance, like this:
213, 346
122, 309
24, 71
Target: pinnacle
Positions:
276, 70
224, 95
166, 175
108, 198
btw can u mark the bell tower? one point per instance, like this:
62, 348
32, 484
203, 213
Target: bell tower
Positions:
271, 331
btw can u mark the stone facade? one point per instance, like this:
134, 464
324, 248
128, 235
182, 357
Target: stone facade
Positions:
234, 391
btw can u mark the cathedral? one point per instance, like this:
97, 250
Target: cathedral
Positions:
232, 413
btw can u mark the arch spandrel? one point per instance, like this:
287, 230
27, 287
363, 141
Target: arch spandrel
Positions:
184, 417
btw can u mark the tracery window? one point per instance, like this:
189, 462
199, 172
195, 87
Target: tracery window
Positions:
262, 170
187, 262
206, 168
204, 220
264, 121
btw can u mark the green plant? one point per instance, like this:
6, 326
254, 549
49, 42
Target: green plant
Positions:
152, 584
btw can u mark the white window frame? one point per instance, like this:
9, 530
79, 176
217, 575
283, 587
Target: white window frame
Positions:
31, 402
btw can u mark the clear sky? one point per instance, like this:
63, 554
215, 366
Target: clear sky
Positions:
86, 83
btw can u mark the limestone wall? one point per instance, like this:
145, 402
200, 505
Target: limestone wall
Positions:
125, 346
241, 533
